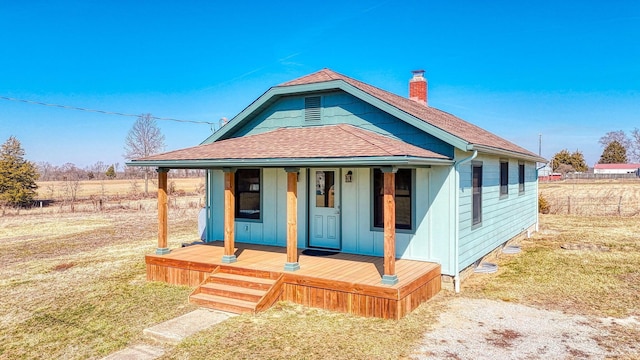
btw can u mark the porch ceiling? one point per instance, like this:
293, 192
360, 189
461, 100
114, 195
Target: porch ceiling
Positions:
331, 145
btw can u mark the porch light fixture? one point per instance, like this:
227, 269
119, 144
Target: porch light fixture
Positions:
348, 177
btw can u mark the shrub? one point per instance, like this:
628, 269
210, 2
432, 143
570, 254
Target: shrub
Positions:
543, 204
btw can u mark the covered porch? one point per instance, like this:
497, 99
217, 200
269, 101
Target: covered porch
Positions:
333, 281
381, 286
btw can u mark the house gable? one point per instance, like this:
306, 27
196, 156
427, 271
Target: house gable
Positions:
439, 124
337, 107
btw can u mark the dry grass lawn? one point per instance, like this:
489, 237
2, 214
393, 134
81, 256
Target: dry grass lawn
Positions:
597, 275
73, 286
593, 198
116, 187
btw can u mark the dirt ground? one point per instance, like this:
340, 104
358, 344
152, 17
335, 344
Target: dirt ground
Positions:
491, 329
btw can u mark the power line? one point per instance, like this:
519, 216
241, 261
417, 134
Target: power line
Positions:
102, 111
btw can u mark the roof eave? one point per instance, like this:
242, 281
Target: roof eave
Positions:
501, 152
293, 162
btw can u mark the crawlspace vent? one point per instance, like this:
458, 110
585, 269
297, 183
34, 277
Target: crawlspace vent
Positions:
312, 108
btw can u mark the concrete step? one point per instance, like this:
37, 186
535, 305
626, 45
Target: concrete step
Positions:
175, 330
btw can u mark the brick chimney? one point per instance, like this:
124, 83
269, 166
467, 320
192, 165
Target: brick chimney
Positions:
418, 87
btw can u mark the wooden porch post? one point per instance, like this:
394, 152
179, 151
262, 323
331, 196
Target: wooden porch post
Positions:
163, 209
292, 263
389, 211
229, 215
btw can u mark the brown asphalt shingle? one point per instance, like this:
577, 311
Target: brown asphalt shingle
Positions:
330, 141
438, 118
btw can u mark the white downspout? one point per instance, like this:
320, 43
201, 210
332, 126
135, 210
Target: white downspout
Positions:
456, 237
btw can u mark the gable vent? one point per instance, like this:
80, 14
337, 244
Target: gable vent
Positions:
312, 108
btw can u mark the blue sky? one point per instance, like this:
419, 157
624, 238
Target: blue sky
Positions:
569, 70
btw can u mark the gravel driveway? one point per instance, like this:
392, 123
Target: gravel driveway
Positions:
488, 329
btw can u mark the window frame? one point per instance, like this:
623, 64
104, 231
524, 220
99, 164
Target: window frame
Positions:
504, 178
476, 194
377, 203
521, 177
238, 194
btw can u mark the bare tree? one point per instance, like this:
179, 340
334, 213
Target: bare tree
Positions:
634, 150
144, 139
71, 177
620, 136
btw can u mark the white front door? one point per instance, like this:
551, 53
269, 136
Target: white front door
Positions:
324, 208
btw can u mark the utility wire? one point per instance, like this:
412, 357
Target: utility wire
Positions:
103, 111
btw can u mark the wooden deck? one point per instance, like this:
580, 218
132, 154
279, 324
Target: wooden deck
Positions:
340, 282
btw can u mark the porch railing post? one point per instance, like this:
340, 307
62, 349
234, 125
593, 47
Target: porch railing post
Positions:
163, 210
292, 263
389, 211
229, 216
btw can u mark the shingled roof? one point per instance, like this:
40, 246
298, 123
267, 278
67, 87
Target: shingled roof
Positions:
312, 142
438, 118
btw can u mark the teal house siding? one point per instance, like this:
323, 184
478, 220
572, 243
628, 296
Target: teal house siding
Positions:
431, 220
503, 217
340, 108
272, 227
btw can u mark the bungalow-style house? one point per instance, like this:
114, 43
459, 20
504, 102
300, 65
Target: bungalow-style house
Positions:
333, 193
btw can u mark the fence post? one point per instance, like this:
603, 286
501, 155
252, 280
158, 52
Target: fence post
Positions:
620, 206
568, 205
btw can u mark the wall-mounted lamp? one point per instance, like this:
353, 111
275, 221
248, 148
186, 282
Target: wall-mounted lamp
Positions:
348, 177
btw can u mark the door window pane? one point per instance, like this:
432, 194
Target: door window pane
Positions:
325, 196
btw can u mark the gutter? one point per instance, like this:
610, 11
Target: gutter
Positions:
292, 162
508, 153
456, 237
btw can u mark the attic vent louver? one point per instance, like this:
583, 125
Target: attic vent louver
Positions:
312, 108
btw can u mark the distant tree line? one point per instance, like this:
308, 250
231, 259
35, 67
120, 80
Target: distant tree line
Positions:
618, 148
100, 171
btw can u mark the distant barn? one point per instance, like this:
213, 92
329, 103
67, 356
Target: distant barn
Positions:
616, 168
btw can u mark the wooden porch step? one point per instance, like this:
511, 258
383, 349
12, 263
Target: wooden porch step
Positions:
248, 282
234, 292
223, 303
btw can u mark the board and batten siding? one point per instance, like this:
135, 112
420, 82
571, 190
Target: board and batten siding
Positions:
503, 217
432, 214
339, 107
271, 229
360, 237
